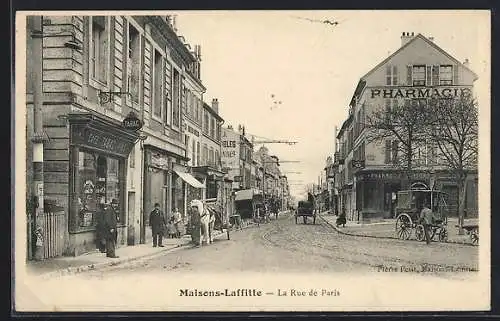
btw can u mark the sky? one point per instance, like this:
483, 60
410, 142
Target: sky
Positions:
313, 68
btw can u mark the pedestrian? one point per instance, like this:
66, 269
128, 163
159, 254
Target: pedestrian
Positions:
39, 255
158, 224
177, 221
426, 218
100, 231
196, 212
110, 221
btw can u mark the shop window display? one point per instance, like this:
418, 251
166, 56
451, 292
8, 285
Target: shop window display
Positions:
99, 183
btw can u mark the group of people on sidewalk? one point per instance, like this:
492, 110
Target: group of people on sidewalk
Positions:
108, 217
161, 226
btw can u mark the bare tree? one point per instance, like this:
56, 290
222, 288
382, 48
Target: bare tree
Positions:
454, 129
400, 126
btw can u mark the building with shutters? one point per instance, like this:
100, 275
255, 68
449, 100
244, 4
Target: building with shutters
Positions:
92, 72
368, 179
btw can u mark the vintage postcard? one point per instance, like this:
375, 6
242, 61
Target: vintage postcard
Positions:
252, 160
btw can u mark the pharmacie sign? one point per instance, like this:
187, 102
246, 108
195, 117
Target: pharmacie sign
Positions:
420, 92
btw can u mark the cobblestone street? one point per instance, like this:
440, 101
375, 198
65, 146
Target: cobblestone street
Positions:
283, 246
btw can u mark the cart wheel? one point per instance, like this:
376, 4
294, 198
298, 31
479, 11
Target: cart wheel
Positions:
403, 227
474, 237
419, 232
432, 233
443, 235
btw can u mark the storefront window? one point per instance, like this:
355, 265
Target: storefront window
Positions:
99, 183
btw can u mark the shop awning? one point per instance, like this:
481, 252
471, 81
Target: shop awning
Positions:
188, 178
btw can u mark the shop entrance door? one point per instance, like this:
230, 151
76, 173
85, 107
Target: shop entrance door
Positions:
131, 219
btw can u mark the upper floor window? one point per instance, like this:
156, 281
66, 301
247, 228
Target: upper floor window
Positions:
212, 128
218, 131
176, 99
391, 75
205, 154
446, 75
198, 154
418, 75
133, 64
193, 153
211, 160
217, 158
158, 85
391, 151
191, 98
99, 51
206, 123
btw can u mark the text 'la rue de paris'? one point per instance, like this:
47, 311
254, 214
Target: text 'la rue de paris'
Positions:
311, 292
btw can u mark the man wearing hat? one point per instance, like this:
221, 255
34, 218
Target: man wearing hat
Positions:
110, 221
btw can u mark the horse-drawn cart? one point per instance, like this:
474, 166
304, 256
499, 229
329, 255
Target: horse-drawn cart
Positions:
409, 206
306, 209
219, 220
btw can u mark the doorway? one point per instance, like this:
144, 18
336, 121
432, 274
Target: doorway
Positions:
131, 219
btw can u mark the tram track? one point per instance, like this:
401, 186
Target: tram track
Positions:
344, 254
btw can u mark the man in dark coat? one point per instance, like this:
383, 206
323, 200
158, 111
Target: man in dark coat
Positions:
110, 221
158, 223
100, 232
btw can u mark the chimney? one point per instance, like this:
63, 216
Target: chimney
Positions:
174, 24
215, 105
406, 37
466, 62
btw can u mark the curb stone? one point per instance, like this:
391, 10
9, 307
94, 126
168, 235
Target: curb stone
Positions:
381, 237
97, 266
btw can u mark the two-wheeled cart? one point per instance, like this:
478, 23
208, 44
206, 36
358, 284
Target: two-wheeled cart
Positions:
409, 205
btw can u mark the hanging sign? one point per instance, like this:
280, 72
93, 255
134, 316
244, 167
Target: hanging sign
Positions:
132, 122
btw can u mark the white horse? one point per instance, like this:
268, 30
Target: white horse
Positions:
207, 221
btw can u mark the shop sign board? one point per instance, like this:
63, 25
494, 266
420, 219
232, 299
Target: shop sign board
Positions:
132, 122
230, 149
421, 92
91, 137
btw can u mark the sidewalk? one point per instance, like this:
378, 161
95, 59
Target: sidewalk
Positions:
386, 229
95, 260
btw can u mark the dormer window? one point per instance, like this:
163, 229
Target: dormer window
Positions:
391, 75
419, 75
446, 75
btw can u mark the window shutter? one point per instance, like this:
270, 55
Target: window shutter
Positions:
387, 151
388, 75
408, 75
455, 75
394, 75
435, 75
428, 75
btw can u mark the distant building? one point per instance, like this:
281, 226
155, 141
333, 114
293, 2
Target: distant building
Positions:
237, 157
